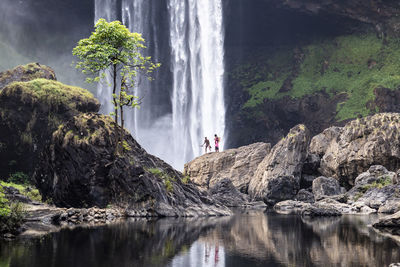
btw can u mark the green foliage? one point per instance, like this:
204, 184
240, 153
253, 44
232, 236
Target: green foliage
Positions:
113, 48
381, 182
11, 214
162, 175
353, 65
126, 146
18, 178
24, 189
186, 179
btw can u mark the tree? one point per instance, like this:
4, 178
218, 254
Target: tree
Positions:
113, 49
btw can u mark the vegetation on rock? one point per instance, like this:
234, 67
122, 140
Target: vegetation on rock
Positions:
354, 65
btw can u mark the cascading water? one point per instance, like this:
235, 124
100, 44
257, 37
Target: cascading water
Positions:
106, 9
176, 112
197, 40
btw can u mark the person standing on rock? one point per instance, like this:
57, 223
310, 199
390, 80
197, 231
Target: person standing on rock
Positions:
207, 144
216, 140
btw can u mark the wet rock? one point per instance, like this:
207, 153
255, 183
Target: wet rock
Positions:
305, 196
323, 187
238, 165
278, 176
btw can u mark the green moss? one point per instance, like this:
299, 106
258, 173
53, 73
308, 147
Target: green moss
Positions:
381, 182
353, 65
51, 92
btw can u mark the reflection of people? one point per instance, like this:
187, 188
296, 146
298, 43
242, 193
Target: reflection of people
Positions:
216, 141
207, 144
216, 258
206, 252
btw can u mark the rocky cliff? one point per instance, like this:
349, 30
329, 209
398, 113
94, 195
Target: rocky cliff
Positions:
32, 106
91, 161
77, 158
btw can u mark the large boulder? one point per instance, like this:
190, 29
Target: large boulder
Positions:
278, 176
30, 112
375, 188
348, 151
227, 194
324, 186
238, 165
93, 162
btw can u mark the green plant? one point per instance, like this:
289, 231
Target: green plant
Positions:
126, 146
381, 182
24, 189
114, 49
18, 178
186, 179
11, 214
164, 176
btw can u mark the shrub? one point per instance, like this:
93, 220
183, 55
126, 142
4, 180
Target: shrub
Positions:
11, 214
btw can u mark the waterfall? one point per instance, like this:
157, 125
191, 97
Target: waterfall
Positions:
197, 40
186, 100
106, 9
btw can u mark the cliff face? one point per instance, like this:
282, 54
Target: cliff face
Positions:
320, 63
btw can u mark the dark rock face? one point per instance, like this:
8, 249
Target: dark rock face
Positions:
29, 113
278, 176
226, 193
317, 110
86, 166
381, 14
348, 151
323, 186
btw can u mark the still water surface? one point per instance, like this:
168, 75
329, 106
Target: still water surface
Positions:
246, 239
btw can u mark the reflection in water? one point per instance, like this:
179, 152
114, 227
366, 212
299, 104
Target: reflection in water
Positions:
254, 239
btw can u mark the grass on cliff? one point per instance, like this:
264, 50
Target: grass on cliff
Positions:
353, 65
51, 92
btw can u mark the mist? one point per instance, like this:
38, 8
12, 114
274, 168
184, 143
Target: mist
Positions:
44, 31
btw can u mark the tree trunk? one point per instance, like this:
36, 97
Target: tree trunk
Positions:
114, 92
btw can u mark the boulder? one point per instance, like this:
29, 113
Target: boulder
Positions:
305, 196
323, 187
391, 221
374, 188
29, 114
291, 207
278, 176
26, 73
348, 151
238, 165
91, 161
390, 206
226, 193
